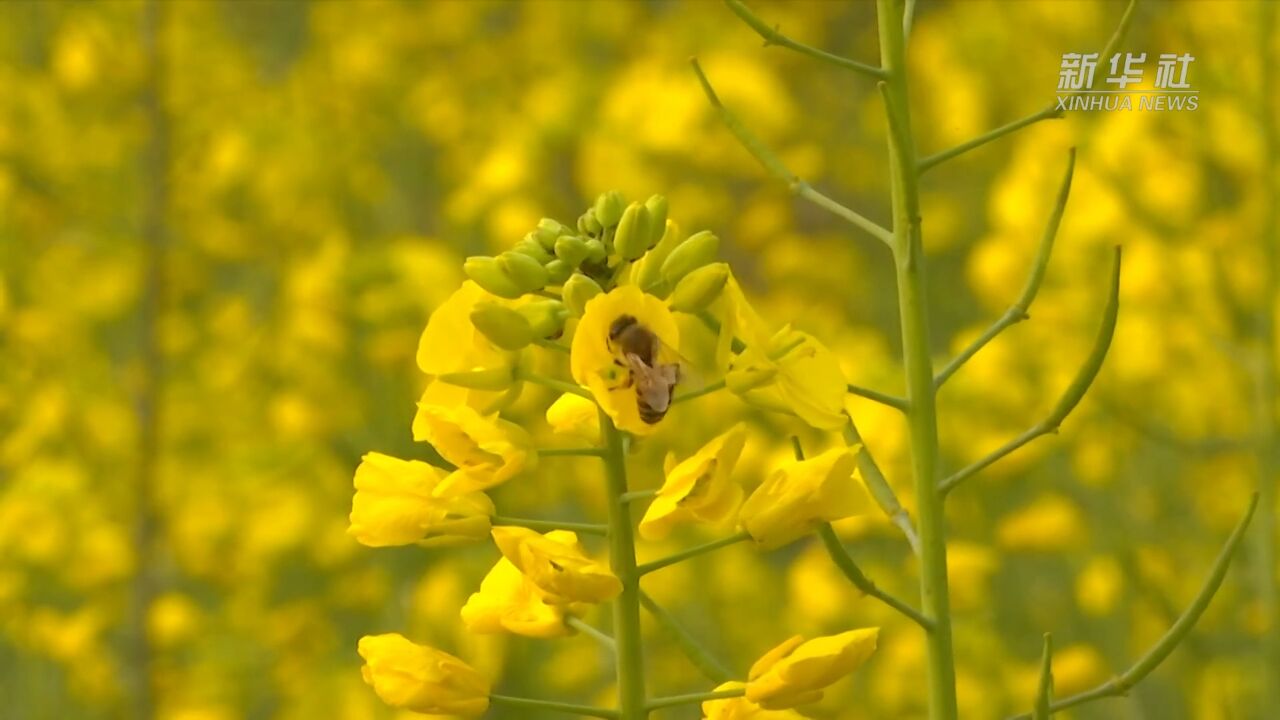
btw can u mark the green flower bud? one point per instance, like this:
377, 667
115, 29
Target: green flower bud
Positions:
548, 230
572, 249
525, 272
545, 317
503, 326
589, 225
647, 273
595, 251
559, 270
609, 208
700, 249
657, 207
493, 380
530, 246
631, 239
486, 273
699, 288
745, 380
577, 290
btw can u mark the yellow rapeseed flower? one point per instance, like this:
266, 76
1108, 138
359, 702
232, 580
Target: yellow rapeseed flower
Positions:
576, 416
798, 496
601, 368
556, 563
394, 504
422, 679
451, 350
486, 450
795, 672
509, 601
700, 488
740, 708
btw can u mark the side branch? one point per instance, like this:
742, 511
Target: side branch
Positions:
711, 667
772, 36
1050, 111
774, 165
879, 487
840, 556
1121, 684
1017, 312
892, 401
1070, 398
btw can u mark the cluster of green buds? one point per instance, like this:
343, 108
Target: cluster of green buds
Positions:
562, 267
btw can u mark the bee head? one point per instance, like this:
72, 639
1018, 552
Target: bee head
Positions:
620, 325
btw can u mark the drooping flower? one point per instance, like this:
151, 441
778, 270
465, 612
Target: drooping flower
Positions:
509, 601
556, 564
486, 450
394, 504
795, 672
740, 708
602, 368
422, 679
698, 489
799, 495
576, 416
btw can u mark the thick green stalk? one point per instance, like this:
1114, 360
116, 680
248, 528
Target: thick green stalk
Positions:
622, 559
921, 394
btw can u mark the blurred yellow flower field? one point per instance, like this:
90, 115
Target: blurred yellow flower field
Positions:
481, 358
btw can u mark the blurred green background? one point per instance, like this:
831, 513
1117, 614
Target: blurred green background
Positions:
224, 224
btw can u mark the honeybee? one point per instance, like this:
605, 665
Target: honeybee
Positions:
655, 382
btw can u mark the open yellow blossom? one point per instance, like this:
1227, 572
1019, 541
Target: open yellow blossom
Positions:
795, 672
486, 450
576, 416
556, 563
740, 708
394, 505
601, 368
509, 601
798, 496
803, 378
700, 488
451, 347
422, 679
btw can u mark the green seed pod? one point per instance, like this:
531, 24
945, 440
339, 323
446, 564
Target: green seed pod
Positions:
530, 246
493, 380
647, 271
559, 270
577, 290
700, 249
504, 327
589, 225
486, 273
657, 207
745, 380
545, 317
609, 208
699, 288
632, 237
596, 252
548, 230
571, 249
525, 272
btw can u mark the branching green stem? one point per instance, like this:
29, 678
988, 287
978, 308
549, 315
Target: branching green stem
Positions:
892, 401
843, 560
700, 656
772, 36
1017, 312
692, 552
1121, 684
632, 698
587, 629
695, 698
1070, 398
548, 525
879, 487
774, 165
568, 708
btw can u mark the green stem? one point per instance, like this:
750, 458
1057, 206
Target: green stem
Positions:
622, 559
694, 698
587, 629
557, 385
921, 394
843, 560
568, 708
879, 487
569, 452
709, 664
892, 401
548, 525
772, 36
638, 495
695, 551
706, 390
